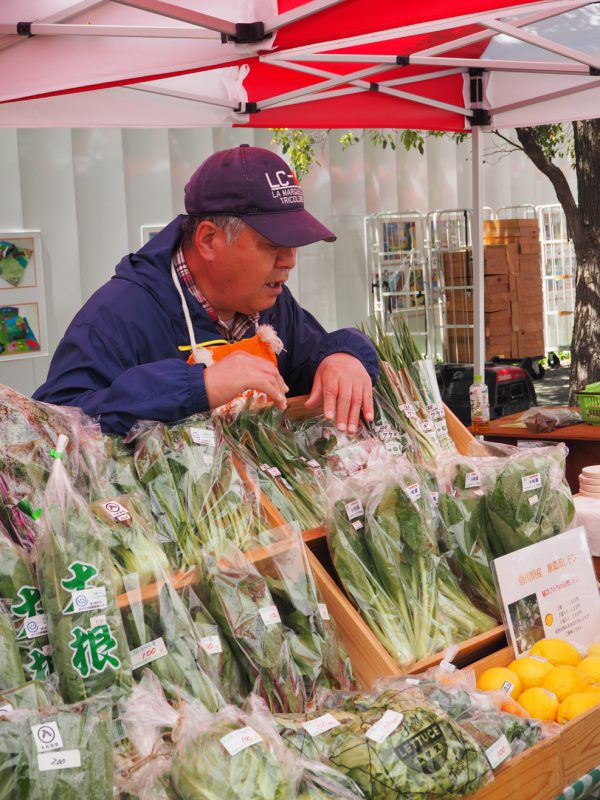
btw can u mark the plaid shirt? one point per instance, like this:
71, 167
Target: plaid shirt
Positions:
241, 322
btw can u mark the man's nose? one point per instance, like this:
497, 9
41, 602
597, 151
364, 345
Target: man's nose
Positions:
286, 257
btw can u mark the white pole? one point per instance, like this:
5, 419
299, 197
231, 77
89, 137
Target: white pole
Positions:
477, 250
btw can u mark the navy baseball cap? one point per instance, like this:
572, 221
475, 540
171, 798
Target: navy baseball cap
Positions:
256, 185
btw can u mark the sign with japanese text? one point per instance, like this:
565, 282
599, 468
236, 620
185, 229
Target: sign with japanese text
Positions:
549, 589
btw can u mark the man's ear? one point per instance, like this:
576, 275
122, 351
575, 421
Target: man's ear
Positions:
205, 239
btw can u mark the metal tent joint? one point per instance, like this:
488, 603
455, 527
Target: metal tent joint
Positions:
481, 116
24, 29
247, 33
373, 87
403, 61
247, 108
594, 71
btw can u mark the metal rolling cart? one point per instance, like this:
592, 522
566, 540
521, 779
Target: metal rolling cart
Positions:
558, 272
399, 275
524, 211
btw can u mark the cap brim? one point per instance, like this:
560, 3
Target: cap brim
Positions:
289, 228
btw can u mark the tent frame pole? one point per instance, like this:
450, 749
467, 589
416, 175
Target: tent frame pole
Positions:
477, 250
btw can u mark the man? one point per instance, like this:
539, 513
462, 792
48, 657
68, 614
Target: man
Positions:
210, 277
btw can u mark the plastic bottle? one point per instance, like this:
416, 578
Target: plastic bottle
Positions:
480, 405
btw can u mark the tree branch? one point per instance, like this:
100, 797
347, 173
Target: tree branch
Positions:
510, 141
556, 176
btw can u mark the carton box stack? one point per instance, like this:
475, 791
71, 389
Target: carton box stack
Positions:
514, 306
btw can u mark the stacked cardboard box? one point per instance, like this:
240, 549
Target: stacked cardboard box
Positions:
514, 324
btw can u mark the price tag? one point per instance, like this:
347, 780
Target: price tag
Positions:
203, 436
354, 509
239, 740
323, 612
412, 681
534, 500
263, 467
380, 731
270, 615
319, 725
35, 626
498, 752
441, 427
211, 644
95, 622
507, 687
88, 599
47, 736
118, 512
393, 448
414, 492
435, 496
530, 482
409, 410
472, 480
313, 464
147, 653
273, 472
66, 759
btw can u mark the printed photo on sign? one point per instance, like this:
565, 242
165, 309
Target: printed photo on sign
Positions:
148, 232
17, 262
527, 622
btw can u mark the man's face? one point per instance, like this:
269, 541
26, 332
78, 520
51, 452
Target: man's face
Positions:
247, 275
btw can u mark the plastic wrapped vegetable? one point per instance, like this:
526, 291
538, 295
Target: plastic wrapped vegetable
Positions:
32, 766
89, 649
396, 746
162, 636
531, 500
21, 595
320, 782
33, 694
310, 631
11, 669
241, 603
462, 505
232, 755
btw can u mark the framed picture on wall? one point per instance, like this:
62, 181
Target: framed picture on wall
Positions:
149, 231
23, 330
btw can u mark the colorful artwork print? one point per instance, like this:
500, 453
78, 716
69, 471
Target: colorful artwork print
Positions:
16, 334
13, 261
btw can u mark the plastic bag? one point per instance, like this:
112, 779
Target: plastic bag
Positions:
545, 420
531, 499
320, 782
33, 694
232, 755
11, 669
21, 595
74, 568
239, 599
62, 753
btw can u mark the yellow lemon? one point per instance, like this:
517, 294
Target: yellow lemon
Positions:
594, 649
531, 671
565, 680
594, 688
576, 704
540, 703
498, 678
557, 651
591, 666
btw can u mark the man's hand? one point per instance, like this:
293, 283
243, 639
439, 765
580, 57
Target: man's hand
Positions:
237, 372
343, 385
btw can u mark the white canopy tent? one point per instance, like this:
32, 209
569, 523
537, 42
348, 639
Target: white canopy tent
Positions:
319, 63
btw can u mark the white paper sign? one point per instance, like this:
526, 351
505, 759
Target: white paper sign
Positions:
388, 723
35, 626
88, 599
323, 611
211, 644
147, 653
65, 759
530, 482
549, 589
319, 725
498, 752
354, 509
46, 736
472, 480
414, 492
270, 615
118, 512
100, 619
203, 436
239, 740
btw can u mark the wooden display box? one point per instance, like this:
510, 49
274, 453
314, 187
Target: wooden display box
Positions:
542, 772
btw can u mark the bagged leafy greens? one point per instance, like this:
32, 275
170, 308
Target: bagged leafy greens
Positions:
531, 500
32, 767
33, 694
21, 595
11, 669
321, 782
73, 565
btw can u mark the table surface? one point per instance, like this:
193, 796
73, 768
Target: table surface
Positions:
510, 428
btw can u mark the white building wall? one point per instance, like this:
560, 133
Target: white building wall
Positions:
90, 190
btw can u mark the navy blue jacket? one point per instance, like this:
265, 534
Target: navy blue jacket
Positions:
119, 359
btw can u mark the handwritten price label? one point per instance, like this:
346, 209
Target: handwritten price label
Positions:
239, 740
319, 725
65, 759
211, 645
498, 752
147, 653
270, 615
385, 726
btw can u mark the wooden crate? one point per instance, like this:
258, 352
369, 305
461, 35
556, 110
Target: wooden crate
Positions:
547, 768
